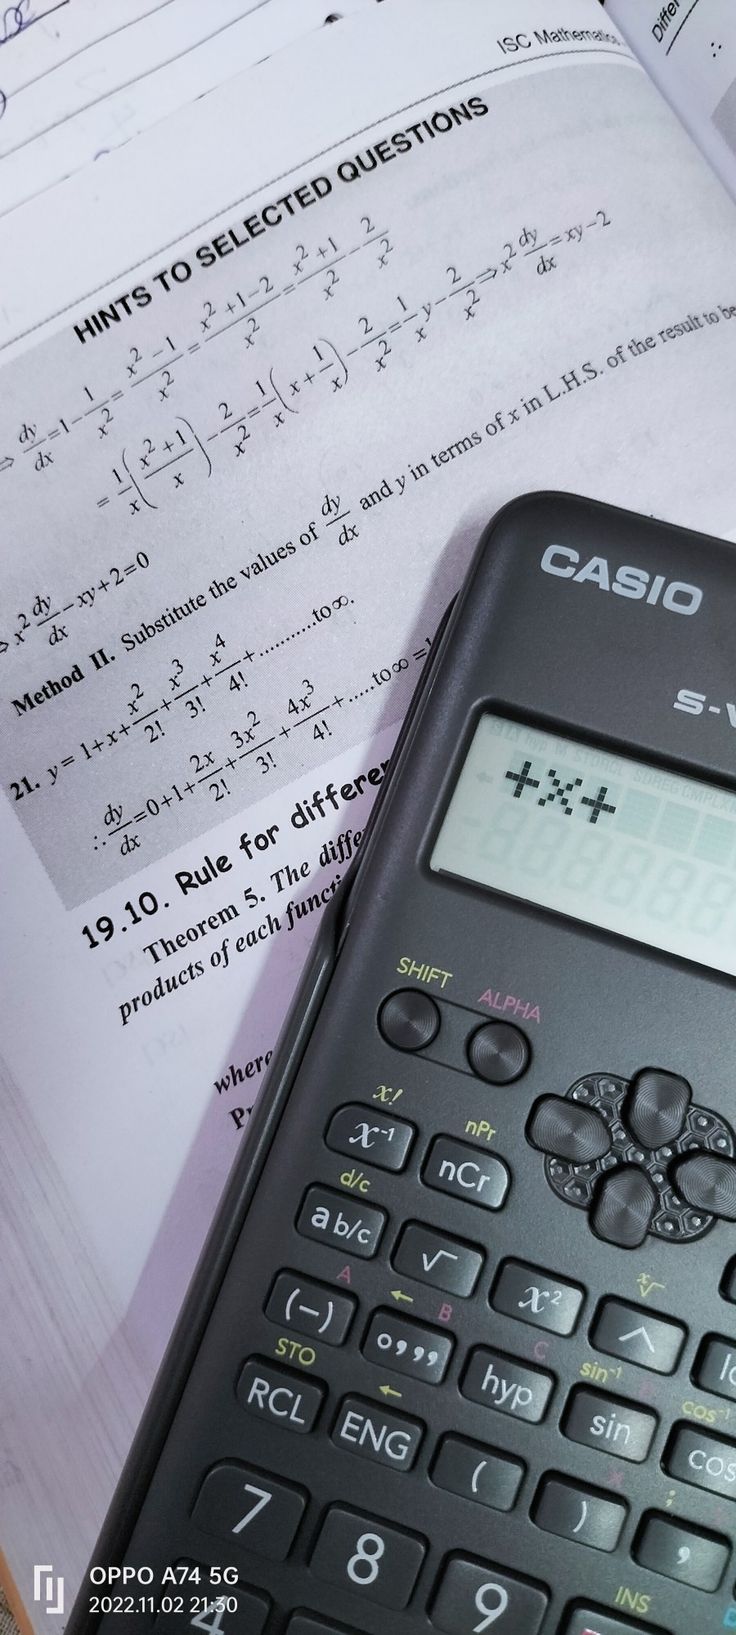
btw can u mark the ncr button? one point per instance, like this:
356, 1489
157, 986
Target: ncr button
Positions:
465, 1172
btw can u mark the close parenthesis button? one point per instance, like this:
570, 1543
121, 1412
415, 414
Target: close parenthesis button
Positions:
409, 1019
498, 1052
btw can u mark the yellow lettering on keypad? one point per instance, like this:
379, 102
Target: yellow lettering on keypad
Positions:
481, 1128
423, 971
700, 1411
355, 1180
385, 1092
633, 1600
304, 1355
595, 1371
646, 1285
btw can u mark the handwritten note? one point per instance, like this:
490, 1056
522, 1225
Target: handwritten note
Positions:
78, 79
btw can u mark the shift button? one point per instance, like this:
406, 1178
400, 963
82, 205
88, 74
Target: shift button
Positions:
408, 1019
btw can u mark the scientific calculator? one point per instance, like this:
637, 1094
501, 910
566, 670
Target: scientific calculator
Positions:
461, 1353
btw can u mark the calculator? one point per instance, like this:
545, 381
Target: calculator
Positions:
460, 1356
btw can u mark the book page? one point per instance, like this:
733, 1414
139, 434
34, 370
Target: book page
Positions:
243, 470
689, 49
78, 79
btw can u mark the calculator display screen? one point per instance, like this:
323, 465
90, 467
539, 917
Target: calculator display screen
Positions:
608, 840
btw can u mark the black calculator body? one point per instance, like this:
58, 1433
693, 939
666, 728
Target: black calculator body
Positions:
461, 1353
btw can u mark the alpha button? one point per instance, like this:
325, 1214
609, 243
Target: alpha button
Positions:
709, 1183
498, 1052
657, 1107
564, 1129
624, 1205
408, 1019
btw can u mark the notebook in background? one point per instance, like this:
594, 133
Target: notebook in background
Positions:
77, 79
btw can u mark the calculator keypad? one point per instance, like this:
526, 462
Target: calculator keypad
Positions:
432, 1257
464, 1172
702, 1459
343, 1222
669, 1169
474, 1471
380, 1140
609, 1425
251, 1509
509, 1386
280, 1395
409, 1347
478, 1595
378, 1562
684, 1553
533, 1296
636, 1336
599, 1621
311, 1308
364, 1427
573, 1511
350, 1340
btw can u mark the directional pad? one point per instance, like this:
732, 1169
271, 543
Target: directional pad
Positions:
656, 1107
564, 1129
639, 1154
624, 1205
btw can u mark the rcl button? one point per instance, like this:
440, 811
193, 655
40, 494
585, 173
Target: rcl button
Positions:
280, 1395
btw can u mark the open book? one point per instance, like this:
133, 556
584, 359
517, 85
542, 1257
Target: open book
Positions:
269, 369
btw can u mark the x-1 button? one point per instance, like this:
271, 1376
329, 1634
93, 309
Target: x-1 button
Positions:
638, 1337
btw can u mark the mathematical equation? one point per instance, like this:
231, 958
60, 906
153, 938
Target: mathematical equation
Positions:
222, 553
180, 451
248, 725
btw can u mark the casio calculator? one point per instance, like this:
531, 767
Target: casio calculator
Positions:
461, 1353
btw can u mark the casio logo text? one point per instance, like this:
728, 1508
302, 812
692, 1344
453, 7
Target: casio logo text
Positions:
674, 595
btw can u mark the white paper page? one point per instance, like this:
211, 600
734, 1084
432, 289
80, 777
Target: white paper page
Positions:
78, 79
509, 303
689, 48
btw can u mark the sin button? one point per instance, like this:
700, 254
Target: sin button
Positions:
498, 1052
